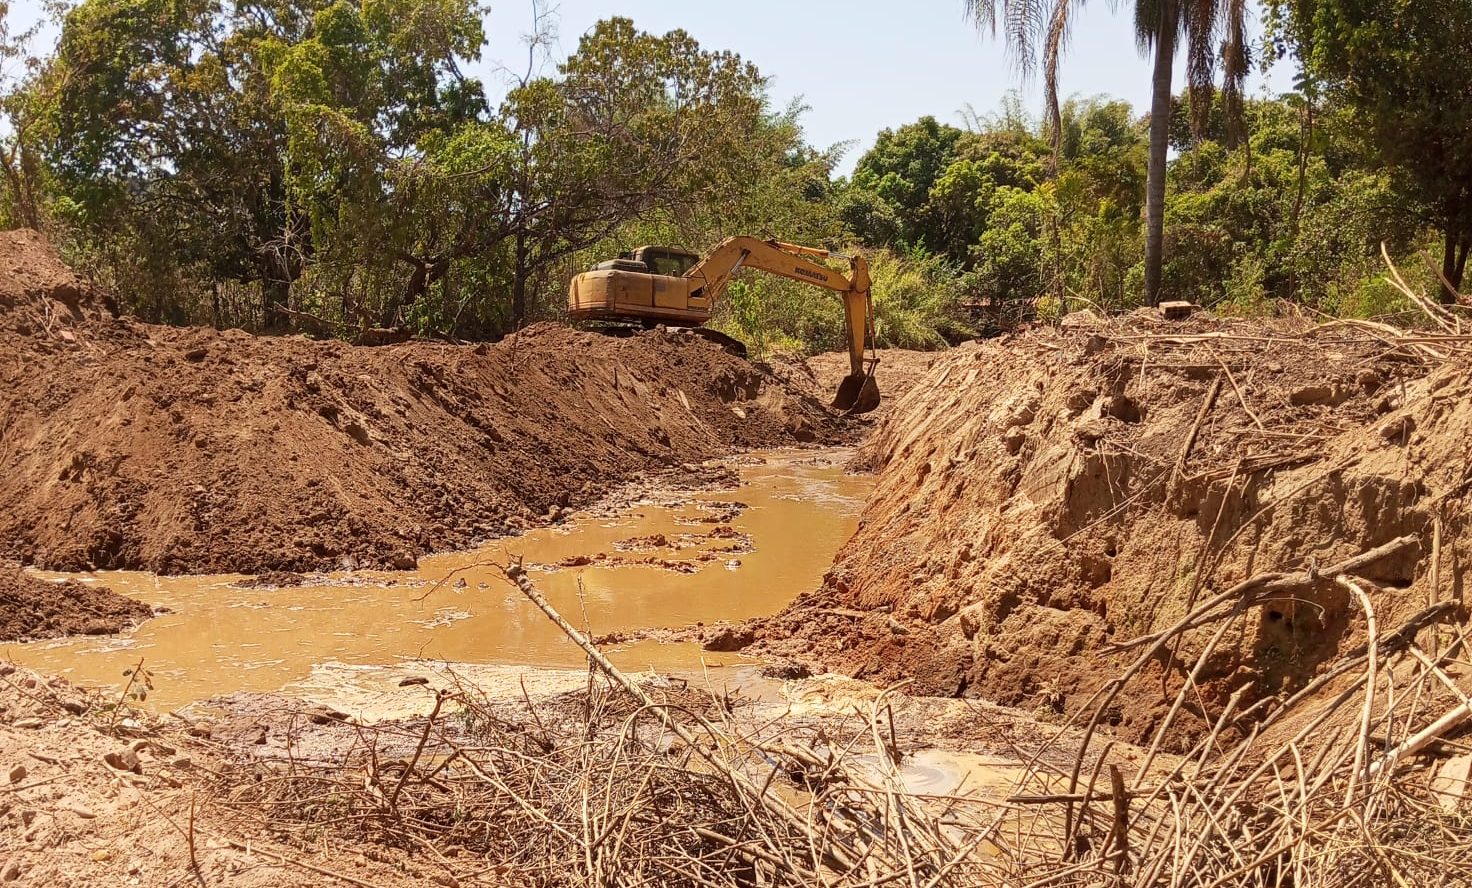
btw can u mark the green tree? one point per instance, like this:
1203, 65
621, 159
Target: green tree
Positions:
635, 124
1019, 217
217, 137
1405, 69
1297, 215
893, 182
23, 186
1212, 31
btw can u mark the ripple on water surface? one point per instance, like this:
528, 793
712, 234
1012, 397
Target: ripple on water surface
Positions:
700, 560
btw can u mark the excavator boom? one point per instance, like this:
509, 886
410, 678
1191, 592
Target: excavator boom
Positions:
626, 289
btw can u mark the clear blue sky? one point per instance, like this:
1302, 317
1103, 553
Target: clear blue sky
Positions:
864, 65
860, 66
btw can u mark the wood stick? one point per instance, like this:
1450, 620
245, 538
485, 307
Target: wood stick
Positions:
296, 862
1206, 404
772, 803
1372, 671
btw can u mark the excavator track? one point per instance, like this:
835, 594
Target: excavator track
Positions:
633, 327
730, 343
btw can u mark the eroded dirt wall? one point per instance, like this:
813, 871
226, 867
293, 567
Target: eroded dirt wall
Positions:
1046, 497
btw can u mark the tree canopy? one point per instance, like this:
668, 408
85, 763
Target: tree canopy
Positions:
328, 166
1404, 70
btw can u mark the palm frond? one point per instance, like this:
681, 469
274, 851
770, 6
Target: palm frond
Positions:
1235, 63
1023, 24
983, 13
1201, 24
1148, 16
1057, 41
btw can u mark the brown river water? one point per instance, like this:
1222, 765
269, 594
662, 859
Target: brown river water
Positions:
352, 636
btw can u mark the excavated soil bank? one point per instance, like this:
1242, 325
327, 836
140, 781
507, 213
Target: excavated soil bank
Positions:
127, 445
1044, 499
35, 609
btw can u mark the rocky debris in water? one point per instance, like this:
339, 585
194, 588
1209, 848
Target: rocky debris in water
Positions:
786, 670
728, 639
272, 579
653, 541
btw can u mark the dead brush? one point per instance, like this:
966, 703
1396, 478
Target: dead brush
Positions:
626, 785
598, 790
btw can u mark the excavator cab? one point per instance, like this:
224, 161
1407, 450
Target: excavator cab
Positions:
666, 285
666, 261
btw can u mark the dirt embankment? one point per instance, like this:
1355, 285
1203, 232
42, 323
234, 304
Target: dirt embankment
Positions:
1046, 497
37, 609
127, 445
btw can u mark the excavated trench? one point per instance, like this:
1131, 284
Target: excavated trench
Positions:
645, 558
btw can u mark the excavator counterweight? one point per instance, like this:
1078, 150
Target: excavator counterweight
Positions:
665, 285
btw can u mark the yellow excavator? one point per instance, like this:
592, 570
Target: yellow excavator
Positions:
654, 285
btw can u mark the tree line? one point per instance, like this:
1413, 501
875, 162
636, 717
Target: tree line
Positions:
328, 166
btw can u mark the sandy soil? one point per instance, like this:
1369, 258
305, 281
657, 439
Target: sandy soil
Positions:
89, 797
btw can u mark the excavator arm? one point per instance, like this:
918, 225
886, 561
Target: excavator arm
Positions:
710, 276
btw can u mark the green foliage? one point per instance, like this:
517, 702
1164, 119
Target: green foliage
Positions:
332, 154
918, 304
996, 202
134, 693
1405, 70
228, 141
895, 178
326, 164
1288, 216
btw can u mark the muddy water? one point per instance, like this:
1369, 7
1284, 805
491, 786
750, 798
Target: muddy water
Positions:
718, 562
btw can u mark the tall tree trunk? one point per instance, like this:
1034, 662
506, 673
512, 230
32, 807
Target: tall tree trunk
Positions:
1165, 52
276, 293
518, 283
1454, 264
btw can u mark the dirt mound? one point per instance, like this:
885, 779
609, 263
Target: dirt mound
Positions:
39, 295
38, 609
1047, 498
127, 445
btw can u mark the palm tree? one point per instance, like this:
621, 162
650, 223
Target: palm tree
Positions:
1212, 30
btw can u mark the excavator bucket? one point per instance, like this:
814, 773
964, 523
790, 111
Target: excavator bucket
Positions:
858, 393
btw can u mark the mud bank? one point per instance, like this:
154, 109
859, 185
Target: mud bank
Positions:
35, 609
1045, 500
133, 446
246, 794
